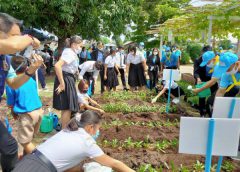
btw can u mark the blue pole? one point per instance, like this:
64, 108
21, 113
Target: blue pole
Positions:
169, 92
230, 115
208, 161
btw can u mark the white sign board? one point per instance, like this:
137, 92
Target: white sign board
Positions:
176, 76
194, 136
223, 105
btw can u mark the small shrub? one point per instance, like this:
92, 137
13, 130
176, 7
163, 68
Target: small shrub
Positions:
194, 51
185, 58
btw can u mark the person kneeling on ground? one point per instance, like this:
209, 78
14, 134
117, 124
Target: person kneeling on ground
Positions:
26, 103
68, 148
84, 99
176, 91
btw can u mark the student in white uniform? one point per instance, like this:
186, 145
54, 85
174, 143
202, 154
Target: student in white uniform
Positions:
65, 92
89, 70
120, 60
84, 101
136, 65
111, 70
68, 148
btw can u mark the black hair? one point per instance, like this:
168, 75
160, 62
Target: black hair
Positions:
206, 48
98, 43
19, 63
7, 22
112, 51
99, 65
133, 48
81, 120
74, 39
120, 47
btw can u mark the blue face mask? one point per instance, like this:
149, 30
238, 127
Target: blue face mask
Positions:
96, 135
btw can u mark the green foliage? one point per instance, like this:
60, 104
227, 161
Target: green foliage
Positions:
184, 85
185, 58
228, 166
198, 166
194, 51
89, 18
225, 44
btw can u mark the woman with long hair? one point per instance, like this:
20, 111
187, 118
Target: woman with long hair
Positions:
65, 93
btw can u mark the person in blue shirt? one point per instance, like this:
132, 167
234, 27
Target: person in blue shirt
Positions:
26, 104
169, 60
231, 78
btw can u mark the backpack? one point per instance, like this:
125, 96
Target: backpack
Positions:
4, 68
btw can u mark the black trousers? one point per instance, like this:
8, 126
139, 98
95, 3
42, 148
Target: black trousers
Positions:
153, 76
48, 69
103, 82
172, 67
210, 101
203, 106
89, 77
8, 149
123, 78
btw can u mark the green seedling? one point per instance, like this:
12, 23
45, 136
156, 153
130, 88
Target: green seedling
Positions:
198, 166
139, 144
228, 166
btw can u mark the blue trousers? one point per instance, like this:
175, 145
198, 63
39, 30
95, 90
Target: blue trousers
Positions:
41, 77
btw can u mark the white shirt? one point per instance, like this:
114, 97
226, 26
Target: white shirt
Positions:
83, 98
71, 59
166, 84
67, 149
135, 59
88, 66
110, 61
120, 60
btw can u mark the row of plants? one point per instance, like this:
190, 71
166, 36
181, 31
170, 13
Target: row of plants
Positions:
129, 143
227, 166
126, 108
126, 95
118, 122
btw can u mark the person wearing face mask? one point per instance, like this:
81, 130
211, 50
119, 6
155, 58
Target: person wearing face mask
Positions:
154, 66
65, 93
68, 148
136, 69
169, 60
98, 55
230, 81
84, 101
120, 60
141, 50
111, 71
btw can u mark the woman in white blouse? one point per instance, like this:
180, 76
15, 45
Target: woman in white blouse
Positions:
111, 70
65, 93
136, 65
68, 148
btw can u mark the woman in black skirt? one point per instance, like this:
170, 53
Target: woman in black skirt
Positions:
65, 93
154, 66
136, 65
111, 70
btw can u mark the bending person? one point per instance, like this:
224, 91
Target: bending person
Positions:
74, 144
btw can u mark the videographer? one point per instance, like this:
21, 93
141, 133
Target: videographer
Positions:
12, 42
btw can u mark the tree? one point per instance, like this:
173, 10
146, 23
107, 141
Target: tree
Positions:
88, 18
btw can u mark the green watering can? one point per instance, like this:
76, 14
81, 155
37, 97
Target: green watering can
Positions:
46, 124
204, 93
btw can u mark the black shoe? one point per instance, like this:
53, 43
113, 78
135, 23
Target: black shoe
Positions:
125, 89
58, 127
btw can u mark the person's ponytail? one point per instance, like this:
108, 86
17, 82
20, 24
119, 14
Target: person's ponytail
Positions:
81, 120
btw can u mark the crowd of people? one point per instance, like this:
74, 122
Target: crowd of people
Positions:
80, 114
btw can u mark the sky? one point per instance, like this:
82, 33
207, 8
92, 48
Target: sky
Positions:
199, 3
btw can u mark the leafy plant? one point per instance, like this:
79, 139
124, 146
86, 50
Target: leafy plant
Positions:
228, 166
198, 166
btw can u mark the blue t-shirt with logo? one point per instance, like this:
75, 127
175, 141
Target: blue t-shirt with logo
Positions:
227, 80
25, 98
169, 61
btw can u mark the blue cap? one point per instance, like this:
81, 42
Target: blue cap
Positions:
207, 56
225, 61
141, 43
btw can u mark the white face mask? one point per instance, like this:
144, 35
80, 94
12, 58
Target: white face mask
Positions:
141, 47
233, 71
155, 53
132, 53
211, 65
78, 51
